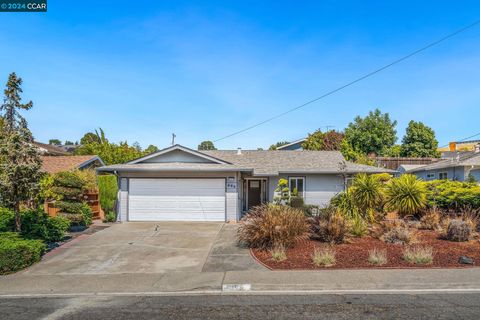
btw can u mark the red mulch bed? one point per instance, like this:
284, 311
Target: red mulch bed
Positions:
355, 253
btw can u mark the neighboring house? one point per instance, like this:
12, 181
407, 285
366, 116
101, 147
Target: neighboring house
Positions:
54, 164
454, 168
295, 145
49, 150
178, 183
461, 146
395, 163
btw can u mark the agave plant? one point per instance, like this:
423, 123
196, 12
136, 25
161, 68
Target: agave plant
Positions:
367, 193
406, 194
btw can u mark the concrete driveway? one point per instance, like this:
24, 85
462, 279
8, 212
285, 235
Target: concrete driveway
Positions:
134, 248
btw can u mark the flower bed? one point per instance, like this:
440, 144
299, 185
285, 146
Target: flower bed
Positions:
355, 253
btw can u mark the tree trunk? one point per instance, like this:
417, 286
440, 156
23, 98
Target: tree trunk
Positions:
18, 222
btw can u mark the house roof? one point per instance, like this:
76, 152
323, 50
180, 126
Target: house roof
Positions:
291, 144
54, 164
461, 160
259, 162
48, 149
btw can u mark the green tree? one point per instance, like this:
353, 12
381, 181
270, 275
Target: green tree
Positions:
206, 145
89, 137
328, 141
54, 142
350, 154
373, 134
394, 151
278, 144
151, 149
69, 143
314, 141
19, 161
419, 141
111, 153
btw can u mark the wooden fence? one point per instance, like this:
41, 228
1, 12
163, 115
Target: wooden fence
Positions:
91, 197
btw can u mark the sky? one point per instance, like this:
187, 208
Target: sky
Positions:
142, 70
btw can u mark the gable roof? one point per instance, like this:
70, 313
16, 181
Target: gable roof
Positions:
300, 141
461, 160
54, 164
181, 148
259, 162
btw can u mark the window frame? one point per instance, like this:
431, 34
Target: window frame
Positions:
303, 193
433, 175
443, 173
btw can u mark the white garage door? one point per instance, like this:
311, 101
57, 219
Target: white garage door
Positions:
176, 199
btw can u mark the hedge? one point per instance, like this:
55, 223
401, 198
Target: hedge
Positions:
17, 253
107, 186
453, 194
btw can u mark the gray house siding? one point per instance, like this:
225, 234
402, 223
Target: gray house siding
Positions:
453, 173
319, 188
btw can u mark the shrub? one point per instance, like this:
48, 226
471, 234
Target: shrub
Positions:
367, 193
278, 253
406, 194
7, 220
296, 202
383, 177
460, 229
36, 224
332, 229
110, 217
323, 257
418, 255
282, 192
89, 178
268, 225
311, 210
430, 220
17, 253
377, 257
108, 189
358, 227
447, 194
345, 204
399, 235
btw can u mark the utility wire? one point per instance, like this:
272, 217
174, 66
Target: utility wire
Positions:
432, 44
464, 139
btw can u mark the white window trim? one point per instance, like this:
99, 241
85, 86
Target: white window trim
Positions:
304, 186
443, 172
433, 176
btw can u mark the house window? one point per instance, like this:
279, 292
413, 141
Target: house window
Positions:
430, 176
298, 184
442, 175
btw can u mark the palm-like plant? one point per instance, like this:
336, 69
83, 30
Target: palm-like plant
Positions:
367, 193
406, 194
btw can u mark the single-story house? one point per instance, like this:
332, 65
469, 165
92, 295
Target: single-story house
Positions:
54, 164
178, 183
459, 168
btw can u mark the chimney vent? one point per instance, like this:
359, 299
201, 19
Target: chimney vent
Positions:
239, 151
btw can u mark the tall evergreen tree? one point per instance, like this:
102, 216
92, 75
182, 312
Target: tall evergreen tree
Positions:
419, 141
19, 160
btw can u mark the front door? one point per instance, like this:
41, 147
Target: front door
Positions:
254, 193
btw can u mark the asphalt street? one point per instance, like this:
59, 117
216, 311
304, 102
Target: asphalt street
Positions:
325, 306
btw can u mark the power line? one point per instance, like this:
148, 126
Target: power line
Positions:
464, 139
432, 44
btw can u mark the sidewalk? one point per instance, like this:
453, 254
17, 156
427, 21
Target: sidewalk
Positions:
328, 281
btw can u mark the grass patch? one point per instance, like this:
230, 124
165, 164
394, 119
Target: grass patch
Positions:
418, 255
377, 257
324, 257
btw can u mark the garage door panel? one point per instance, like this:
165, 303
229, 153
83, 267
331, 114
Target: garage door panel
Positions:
177, 199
